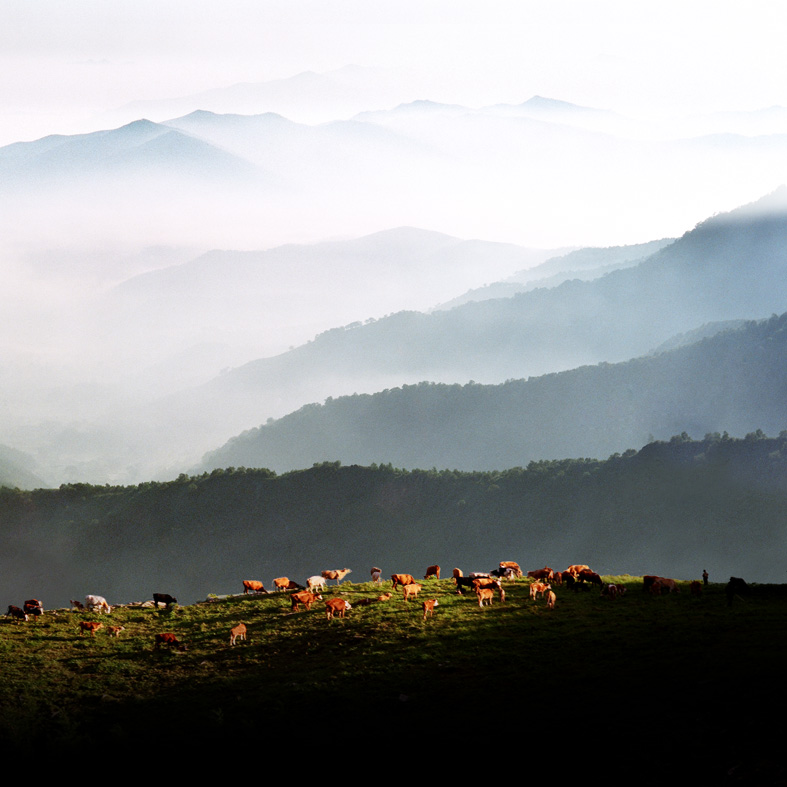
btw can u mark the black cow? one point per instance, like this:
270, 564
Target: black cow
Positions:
735, 587
163, 598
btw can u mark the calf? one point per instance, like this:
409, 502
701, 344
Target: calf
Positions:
303, 598
484, 595
551, 598
336, 606
539, 588
90, 625
163, 598
411, 590
433, 571
376, 574
16, 613
253, 586
337, 573
114, 631
429, 606
238, 632
77, 605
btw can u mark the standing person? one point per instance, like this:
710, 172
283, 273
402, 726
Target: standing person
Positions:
705, 577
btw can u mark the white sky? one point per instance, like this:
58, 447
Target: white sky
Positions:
62, 63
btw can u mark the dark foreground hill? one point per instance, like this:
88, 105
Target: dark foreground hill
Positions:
734, 381
673, 508
654, 690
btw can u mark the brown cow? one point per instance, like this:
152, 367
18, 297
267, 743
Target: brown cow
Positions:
429, 606
512, 565
304, 598
170, 640
238, 632
412, 589
457, 572
90, 625
545, 573
376, 574
539, 588
284, 583
575, 569
337, 573
402, 579
253, 586
484, 594
336, 606
695, 588
433, 571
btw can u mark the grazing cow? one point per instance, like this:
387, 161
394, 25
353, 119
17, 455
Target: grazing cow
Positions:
376, 574
512, 565
16, 613
695, 588
336, 606
163, 598
484, 595
463, 582
304, 598
90, 625
253, 586
551, 598
647, 581
337, 573
238, 632
114, 631
557, 578
411, 590
433, 571
33, 607
735, 587
667, 584
539, 588
170, 640
284, 583
315, 582
429, 606
457, 572
77, 605
402, 579
97, 604
586, 575
545, 574
575, 569
479, 575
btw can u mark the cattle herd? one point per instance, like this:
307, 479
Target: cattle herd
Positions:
485, 586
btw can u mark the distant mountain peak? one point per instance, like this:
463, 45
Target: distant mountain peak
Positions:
541, 102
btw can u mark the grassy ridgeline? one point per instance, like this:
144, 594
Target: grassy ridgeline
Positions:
659, 685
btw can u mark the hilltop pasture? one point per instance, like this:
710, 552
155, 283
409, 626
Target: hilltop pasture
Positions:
641, 682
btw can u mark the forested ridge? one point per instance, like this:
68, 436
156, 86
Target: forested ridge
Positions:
672, 508
735, 380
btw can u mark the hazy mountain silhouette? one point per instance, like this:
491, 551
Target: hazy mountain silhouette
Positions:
733, 381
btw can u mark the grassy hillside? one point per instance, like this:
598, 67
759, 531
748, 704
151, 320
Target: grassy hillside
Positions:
640, 686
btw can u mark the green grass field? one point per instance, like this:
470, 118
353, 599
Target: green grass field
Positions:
676, 679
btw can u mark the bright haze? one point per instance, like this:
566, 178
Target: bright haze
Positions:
186, 191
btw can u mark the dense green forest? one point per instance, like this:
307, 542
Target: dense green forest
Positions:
672, 508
